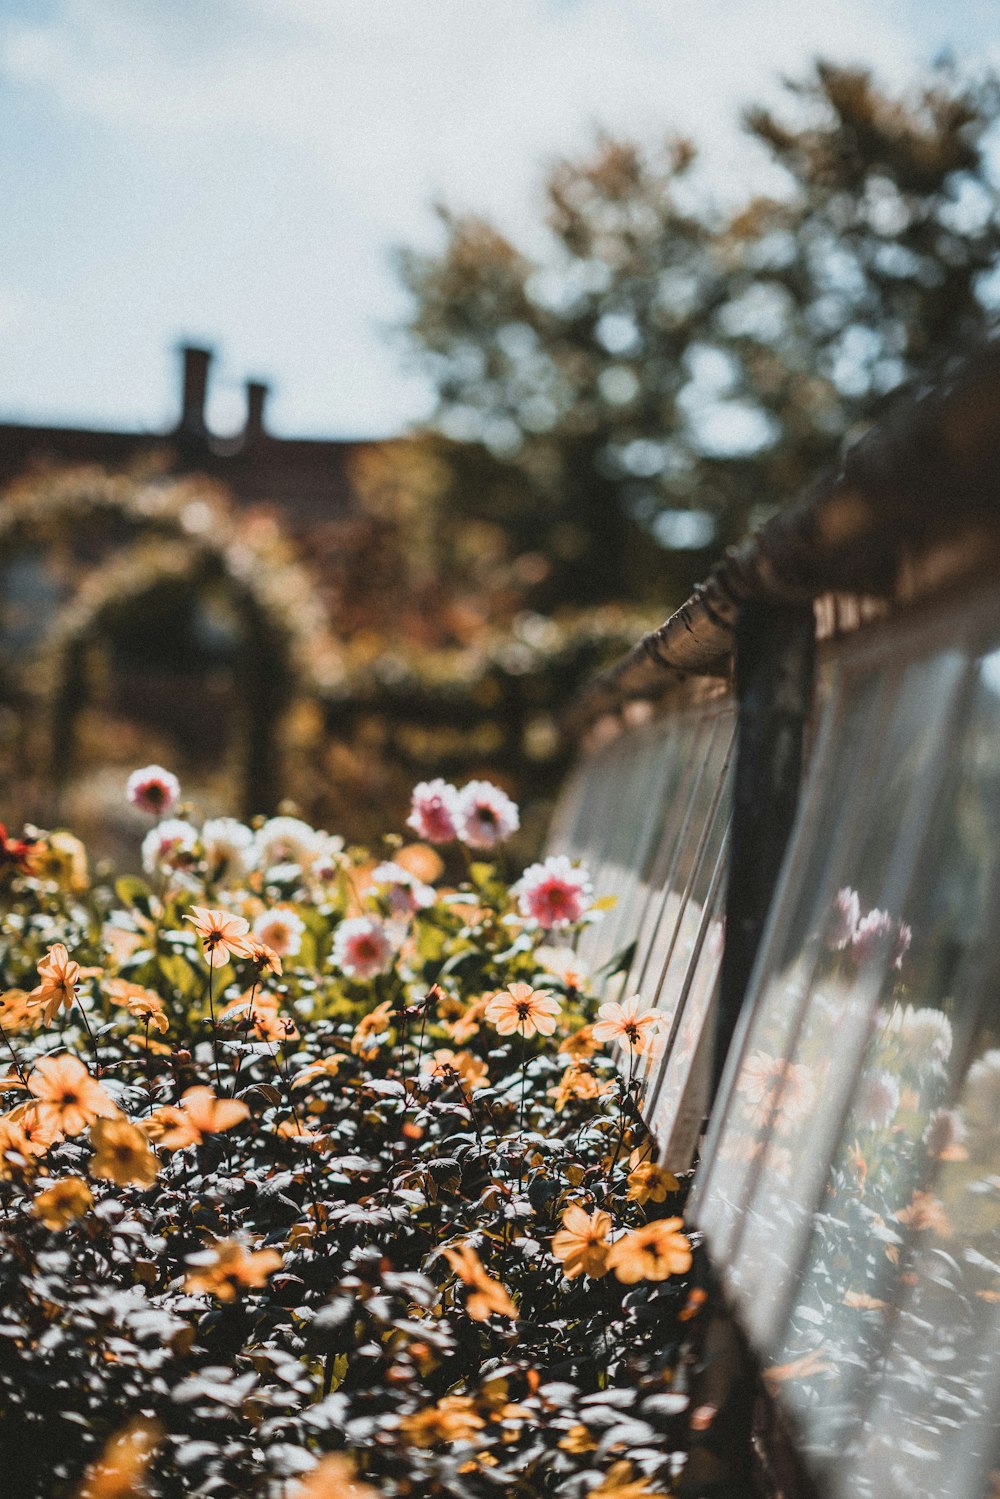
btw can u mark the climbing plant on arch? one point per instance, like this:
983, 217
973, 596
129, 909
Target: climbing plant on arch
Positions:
169, 537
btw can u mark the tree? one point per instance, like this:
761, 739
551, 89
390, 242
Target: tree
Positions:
665, 371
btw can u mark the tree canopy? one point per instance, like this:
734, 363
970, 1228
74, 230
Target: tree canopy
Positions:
668, 368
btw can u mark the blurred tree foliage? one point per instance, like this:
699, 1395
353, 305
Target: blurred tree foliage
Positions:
632, 400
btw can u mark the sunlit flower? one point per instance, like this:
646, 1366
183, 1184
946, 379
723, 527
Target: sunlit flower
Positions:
553, 893
362, 947
327, 857
466, 1023
60, 977
222, 934
262, 957
628, 1024
170, 845
17, 1149
63, 1201
68, 1097
258, 1015
524, 1010
579, 1083
452, 1419
655, 1251
765, 1082
334, 1477
924, 1033
60, 857
487, 1296
471, 1072
579, 1044
199, 1114
981, 1094
564, 964
844, 918
140, 1002
41, 1134
924, 1211
121, 1153
119, 1471
648, 1182
434, 811
153, 790
877, 1100
871, 936
403, 893
582, 1243
288, 841
17, 1010
944, 1136
281, 929
229, 848
228, 1267
618, 1483
486, 815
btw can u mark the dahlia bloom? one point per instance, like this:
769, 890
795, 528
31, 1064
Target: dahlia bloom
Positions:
228, 845
281, 929
223, 934
523, 1009
486, 815
582, 1243
288, 840
553, 893
170, 845
628, 1025
434, 811
401, 890
153, 790
68, 1097
362, 947
655, 1251
844, 919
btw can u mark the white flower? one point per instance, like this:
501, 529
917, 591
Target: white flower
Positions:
925, 1034
434, 811
287, 841
362, 947
981, 1094
170, 845
281, 928
486, 815
403, 892
153, 790
228, 846
877, 1100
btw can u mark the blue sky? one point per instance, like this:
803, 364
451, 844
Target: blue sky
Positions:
238, 171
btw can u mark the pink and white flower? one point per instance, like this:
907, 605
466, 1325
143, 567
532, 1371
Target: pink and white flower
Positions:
153, 790
553, 893
403, 892
228, 846
877, 1100
287, 841
486, 815
170, 845
844, 918
434, 811
281, 928
362, 947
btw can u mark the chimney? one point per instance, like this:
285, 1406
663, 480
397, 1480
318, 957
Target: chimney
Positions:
194, 391
256, 397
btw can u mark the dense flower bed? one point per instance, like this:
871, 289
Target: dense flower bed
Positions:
315, 1179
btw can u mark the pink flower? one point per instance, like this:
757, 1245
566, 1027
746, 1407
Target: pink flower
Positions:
844, 919
170, 845
871, 936
434, 811
153, 790
401, 890
486, 815
362, 947
553, 893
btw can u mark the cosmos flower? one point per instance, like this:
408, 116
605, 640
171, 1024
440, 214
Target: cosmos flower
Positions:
486, 815
523, 1009
222, 934
199, 1114
582, 1243
434, 811
121, 1153
153, 790
171, 845
229, 848
68, 1097
281, 928
229, 1267
553, 893
655, 1251
60, 976
487, 1296
628, 1024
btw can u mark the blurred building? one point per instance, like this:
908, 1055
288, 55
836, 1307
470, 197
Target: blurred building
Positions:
307, 480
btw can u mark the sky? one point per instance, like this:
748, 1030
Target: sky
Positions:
237, 173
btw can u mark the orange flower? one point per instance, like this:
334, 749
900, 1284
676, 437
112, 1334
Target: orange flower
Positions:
627, 1024
582, 1243
925, 1211
487, 1296
200, 1114
580, 1045
40, 1137
453, 1419
68, 1097
472, 1073
648, 1182
63, 1201
60, 977
121, 1153
259, 1016
140, 1002
463, 1026
223, 934
119, 1471
230, 1268
524, 1010
14, 1142
264, 958
333, 1478
577, 1082
17, 1010
376, 1023
655, 1251
618, 1483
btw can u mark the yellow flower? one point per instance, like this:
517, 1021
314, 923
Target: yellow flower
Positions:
140, 1002
461, 1027
63, 1201
223, 934
487, 1296
17, 1010
60, 857
655, 1251
376, 1023
577, 1082
119, 1471
618, 1483
323, 1067
231, 1268
472, 1073
200, 1114
121, 1153
582, 1243
452, 1419
648, 1182
578, 1439
627, 1024
580, 1045
68, 1097
524, 1010
333, 1478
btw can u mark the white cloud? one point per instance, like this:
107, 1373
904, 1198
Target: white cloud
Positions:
284, 145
